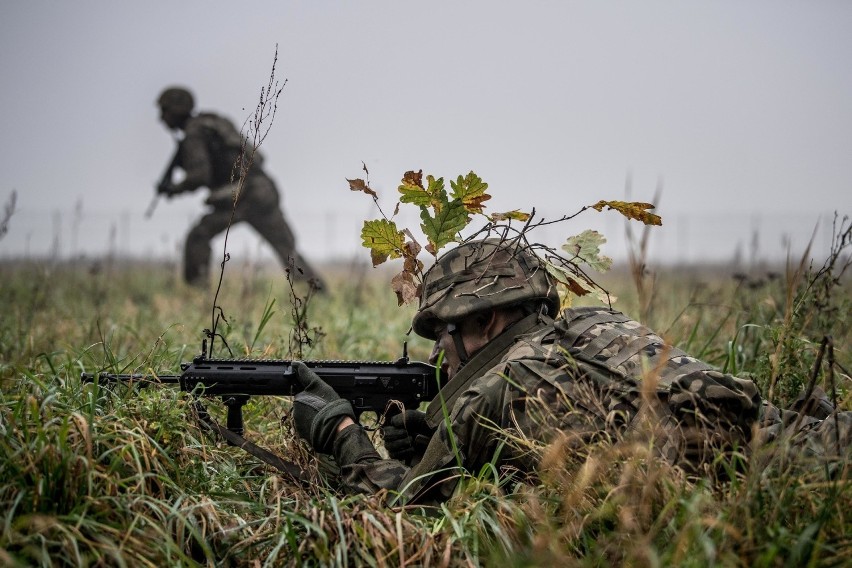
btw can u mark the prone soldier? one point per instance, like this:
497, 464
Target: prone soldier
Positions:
520, 370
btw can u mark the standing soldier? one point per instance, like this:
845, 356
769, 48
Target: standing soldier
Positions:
211, 154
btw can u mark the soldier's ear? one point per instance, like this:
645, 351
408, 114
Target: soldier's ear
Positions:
487, 323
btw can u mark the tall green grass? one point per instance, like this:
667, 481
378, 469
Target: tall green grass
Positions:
125, 477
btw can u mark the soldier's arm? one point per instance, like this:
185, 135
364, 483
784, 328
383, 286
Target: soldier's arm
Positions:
362, 469
466, 439
195, 162
435, 477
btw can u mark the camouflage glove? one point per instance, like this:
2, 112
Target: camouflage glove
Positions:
317, 410
406, 434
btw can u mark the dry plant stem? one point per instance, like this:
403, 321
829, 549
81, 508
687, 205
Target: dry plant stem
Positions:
841, 239
794, 277
259, 127
302, 334
8, 211
826, 343
820, 285
833, 392
638, 258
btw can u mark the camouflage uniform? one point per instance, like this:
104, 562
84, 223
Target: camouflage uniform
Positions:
208, 153
592, 374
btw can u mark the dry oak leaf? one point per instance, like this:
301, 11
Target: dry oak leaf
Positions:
360, 185
514, 215
632, 210
413, 178
405, 288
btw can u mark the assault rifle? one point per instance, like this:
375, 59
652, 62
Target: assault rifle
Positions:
372, 386
165, 182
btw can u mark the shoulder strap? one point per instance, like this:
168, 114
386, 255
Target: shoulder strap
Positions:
485, 359
237, 440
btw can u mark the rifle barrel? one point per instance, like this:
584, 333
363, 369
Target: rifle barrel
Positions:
113, 377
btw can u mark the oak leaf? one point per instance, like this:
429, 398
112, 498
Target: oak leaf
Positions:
383, 239
587, 247
413, 178
632, 210
444, 227
471, 191
515, 215
409, 255
360, 185
569, 280
432, 195
405, 287
577, 283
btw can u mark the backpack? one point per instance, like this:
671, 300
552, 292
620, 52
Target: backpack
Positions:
697, 409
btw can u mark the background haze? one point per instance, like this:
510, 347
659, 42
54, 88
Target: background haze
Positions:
740, 111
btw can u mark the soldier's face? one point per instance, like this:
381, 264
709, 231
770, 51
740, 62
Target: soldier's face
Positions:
472, 338
171, 119
444, 344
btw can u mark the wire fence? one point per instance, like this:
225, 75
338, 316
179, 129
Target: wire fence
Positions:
326, 235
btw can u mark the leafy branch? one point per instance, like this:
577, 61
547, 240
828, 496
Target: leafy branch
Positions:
445, 215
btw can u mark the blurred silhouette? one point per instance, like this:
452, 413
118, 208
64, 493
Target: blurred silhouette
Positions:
213, 154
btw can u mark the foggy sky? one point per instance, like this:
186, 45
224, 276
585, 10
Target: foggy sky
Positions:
740, 111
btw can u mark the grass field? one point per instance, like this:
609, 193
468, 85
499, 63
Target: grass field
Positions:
90, 477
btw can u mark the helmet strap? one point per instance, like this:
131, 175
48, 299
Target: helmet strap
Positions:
454, 332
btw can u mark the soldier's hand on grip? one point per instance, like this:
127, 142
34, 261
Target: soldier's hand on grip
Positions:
317, 410
406, 434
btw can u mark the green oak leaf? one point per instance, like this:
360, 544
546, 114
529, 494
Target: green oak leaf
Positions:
444, 226
471, 191
383, 239
412, 191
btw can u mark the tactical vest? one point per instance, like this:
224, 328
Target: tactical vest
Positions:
695, 407
623, 346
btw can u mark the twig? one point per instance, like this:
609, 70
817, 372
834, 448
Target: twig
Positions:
264, 112
9, 210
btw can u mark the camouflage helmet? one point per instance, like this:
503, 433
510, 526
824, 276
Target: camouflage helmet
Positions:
176, 99
481, 275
